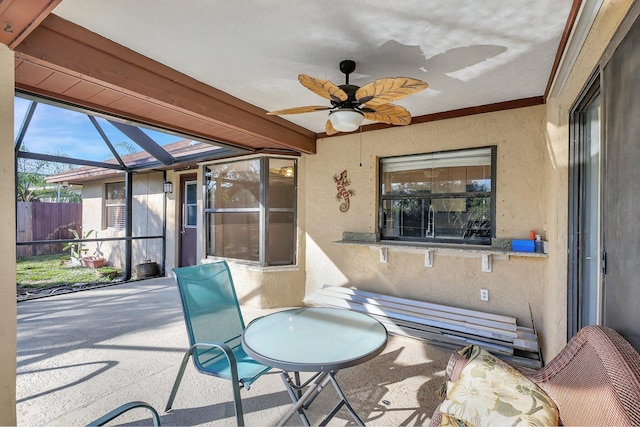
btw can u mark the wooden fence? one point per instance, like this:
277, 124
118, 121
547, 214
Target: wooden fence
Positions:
46, 221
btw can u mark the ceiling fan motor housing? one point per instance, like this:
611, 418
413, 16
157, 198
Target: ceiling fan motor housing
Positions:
351, 101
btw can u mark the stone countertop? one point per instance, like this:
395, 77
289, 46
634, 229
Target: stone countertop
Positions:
441, 247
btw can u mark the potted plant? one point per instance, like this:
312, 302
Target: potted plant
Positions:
93, 262
77, 249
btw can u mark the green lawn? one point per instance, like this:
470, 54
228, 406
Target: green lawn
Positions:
46, 271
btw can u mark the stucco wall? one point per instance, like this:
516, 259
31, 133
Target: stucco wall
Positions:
557, 147
8, 305
532, 193
455, 280
148, 214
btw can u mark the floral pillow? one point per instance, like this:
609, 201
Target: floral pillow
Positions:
491, 392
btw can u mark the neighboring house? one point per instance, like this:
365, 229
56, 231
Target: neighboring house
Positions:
276, 219
104, 204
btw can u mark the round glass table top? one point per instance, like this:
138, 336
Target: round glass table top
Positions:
314, 339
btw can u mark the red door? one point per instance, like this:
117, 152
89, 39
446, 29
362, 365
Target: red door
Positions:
188, 220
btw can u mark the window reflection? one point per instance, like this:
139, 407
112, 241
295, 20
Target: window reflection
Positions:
444, 196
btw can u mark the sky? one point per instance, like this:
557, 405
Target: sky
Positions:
55, 130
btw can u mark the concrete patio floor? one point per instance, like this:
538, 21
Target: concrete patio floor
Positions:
82, 354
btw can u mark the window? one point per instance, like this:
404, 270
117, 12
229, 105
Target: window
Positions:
438, 197
251, 210
115, 209
191, 204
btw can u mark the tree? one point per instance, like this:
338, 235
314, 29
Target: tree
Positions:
32, 184
31, 187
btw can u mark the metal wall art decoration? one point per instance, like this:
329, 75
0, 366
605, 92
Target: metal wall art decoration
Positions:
343, 194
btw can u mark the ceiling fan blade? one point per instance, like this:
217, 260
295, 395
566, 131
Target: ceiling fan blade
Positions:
388, 89
329, 129
299, 110
388, 113
324, 88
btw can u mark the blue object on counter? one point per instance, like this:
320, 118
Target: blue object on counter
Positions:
523, 245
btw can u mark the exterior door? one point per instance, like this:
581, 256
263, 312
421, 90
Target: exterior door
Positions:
188, 220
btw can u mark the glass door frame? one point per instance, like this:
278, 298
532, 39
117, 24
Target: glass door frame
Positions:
578, 200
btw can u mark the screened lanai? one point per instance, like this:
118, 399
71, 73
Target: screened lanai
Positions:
71, 146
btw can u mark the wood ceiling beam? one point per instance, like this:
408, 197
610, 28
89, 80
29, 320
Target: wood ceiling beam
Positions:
62, 46
18, 18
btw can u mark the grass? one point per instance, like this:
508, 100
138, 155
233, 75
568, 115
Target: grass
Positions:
46, 271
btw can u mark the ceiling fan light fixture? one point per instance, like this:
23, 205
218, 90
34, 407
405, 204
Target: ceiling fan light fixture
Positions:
346, 120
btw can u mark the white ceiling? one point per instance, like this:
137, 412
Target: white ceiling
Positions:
471, 52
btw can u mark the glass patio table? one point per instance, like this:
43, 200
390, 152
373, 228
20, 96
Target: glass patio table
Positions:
314, 339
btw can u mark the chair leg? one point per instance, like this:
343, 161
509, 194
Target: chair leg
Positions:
235, 380
176, 384
125, 408
237, 403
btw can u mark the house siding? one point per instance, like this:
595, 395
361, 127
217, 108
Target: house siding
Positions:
148, 220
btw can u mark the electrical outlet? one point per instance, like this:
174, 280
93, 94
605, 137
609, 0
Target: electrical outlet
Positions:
484, 295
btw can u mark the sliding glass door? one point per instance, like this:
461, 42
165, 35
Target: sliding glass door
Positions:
585, 260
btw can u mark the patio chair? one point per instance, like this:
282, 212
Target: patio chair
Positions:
126, 408
214, 325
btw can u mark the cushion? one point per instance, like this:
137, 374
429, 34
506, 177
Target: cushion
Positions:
491, 392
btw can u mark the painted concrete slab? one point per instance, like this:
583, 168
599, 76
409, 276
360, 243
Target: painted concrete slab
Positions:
82, 354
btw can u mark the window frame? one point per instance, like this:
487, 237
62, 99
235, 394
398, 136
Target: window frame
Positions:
185, 215
263, 209
108, 205
485, 241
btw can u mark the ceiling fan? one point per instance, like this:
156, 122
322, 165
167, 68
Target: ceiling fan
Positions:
351, 104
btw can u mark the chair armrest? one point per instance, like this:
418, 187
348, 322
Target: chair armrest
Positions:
228, 352
125, 408
456, 364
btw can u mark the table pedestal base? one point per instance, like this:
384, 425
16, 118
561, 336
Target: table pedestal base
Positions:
315, 385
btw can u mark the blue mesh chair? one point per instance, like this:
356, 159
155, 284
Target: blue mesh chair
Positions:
214, 325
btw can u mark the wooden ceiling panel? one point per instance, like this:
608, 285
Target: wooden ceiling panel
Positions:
106, 97
245, 140
31, 74
126, 103
58, 83
187, 121
19, 17
83, 89
73, 54
146, 109
163, 114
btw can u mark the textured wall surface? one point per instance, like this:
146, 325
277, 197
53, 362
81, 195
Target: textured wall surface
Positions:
8, 307
454, 279
557, 132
